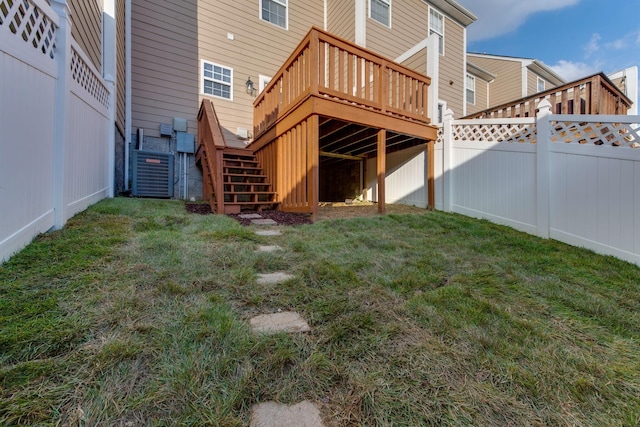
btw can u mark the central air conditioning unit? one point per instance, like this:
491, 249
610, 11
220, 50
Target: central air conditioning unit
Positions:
152, 174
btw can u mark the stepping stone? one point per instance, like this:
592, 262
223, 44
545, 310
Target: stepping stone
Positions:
272, 414
272, 248
250, 216
268, 233
264, 221
287, 321
273, 278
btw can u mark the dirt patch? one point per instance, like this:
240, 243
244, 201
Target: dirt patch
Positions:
326, 211
198, 208
341, 210
282, 218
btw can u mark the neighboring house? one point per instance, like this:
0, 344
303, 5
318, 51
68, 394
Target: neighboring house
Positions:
514, 78
627, 81
478, 88
227, 52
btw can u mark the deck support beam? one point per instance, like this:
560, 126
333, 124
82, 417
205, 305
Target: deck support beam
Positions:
431, 186
382, 168
313, 162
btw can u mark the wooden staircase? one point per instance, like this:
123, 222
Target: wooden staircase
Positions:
245, 184
232, 179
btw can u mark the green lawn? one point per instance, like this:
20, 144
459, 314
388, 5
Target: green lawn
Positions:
137, 314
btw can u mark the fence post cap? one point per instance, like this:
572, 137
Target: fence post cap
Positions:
448, 114
544, 108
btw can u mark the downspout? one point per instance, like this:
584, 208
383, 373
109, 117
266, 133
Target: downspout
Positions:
127, 92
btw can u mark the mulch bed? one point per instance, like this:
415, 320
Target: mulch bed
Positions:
282, 218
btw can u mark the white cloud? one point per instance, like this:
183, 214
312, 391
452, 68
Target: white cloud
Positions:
497, 17
593, 46
574, 70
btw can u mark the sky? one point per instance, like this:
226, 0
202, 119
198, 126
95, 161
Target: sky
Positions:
576, 38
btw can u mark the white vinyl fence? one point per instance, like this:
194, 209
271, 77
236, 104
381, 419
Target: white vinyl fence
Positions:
572, 178
54, 124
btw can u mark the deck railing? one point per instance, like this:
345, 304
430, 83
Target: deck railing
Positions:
592, 95
210, 145
326, 66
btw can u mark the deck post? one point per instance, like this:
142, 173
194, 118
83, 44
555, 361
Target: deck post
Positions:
431, 182
382, 168
313, 161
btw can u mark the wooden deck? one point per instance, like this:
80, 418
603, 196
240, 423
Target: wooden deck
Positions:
592, 95
333, 99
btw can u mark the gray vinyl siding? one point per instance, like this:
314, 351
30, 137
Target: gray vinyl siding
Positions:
86, 28
120, 66
453, 68
409, 26
341, 17
508, 83
165, 63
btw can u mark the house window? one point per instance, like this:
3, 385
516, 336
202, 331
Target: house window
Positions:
540, 85
436, 26
380, 10
263, 82
471, 89
274, 11
217, 80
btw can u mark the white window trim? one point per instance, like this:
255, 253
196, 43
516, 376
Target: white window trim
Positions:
467, 89
443, 27
263, 81
284, 3
202, 79
544, 85
375, 20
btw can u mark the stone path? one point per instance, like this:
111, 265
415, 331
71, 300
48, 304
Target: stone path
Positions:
273, 414
273, 278
269, 248
286, 321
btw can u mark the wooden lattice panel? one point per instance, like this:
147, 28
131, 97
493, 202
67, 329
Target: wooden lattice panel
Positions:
24, 19
82, 73
493, 133
596, 133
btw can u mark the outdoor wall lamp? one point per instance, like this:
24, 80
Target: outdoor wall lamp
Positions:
251, 90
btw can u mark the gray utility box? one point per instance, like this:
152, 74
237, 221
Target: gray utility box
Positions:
152, 174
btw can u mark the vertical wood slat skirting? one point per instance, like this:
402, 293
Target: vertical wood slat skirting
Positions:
292, 163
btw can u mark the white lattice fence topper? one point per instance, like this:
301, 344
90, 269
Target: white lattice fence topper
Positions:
24, 19
82, 73
512, 132
596, 133
440, 135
